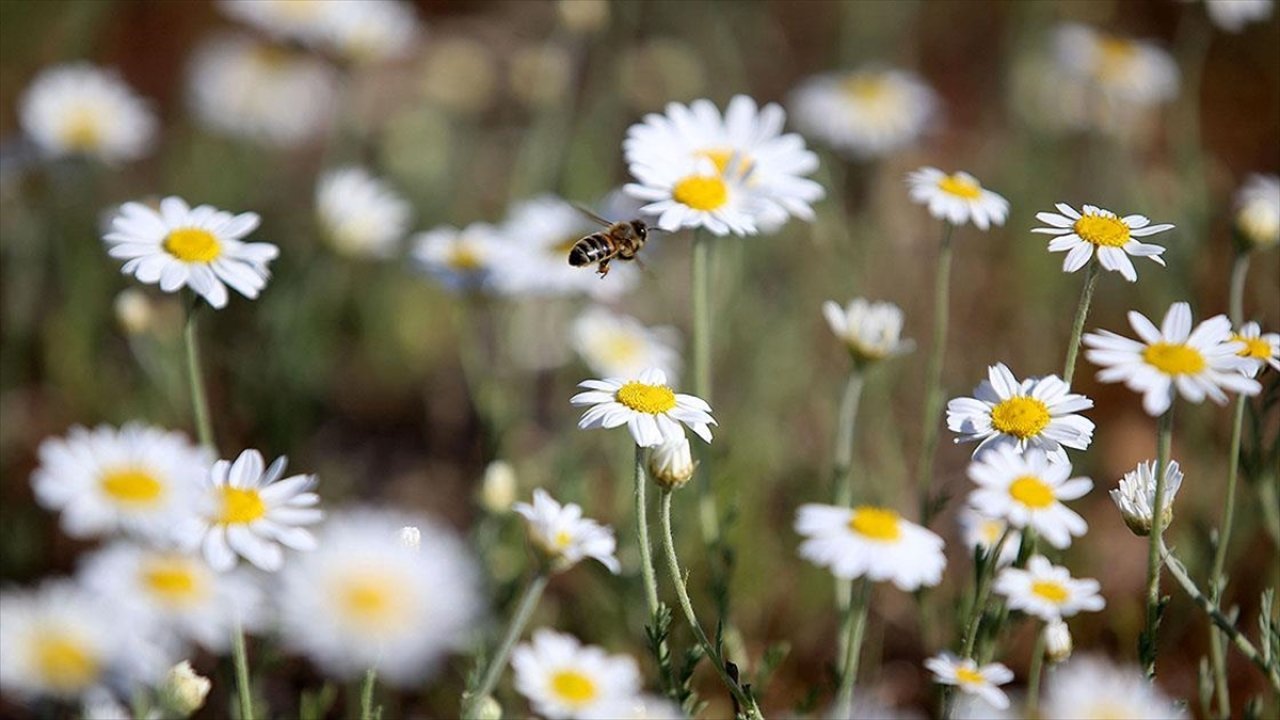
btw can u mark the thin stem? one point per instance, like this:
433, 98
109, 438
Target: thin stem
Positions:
981, 593
1239, 270
1033, 679
195, 376
532, 593
642, 535
366, 694
857, 623
707, 512
933, 375
1218, 580
1147, 645
1082, 312
842, 469
240, 656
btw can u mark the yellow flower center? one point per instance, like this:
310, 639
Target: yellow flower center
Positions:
865, 88
562, 539
1255, 348
131, 486
367, 601
1020, 416
241, 506
701, 192
969, 676
991, 532
1032, 492
1102, 231
573, 687
192, 245
723, 157
82, 131
1174, 358
1050, 590
172, 580
63, 662
875, 523
960, 187
464, 259
651, 399
1114, 56
621, 348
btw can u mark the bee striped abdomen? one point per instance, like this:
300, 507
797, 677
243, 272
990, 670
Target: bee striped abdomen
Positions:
590, 249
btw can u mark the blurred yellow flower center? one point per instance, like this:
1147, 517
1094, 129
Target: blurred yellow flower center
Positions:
1050, 590
63, 663
875, 523
701, 192
174, 581
192, 245
651, 399
969, 676
563, 538
241, 506
991, 532
1174, 358
1255, 348
573, 687
1032, 492
723, 158
620, 348
865, 88
82, 131
961, 187
1020, 416
366, 600
1102, 231
132, 486
465, 259
1114, 55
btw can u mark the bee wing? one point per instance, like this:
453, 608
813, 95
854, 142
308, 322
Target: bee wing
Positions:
583, 209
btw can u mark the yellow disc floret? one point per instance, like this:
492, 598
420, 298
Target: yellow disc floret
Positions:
701, 192
63, 662
875, 523
1102, 230
1020, 416
1255, 348
969, 676
961, 187
651, 399
131, 486
192, 245
573, 687
1174, 358
1050, 590
1032, 492
172, 580
241, 506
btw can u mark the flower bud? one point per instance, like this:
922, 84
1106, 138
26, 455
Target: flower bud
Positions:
498, 490
1136, 496
671, 463
1057, 641
488, 709
1258, 212
133, 311
183, 691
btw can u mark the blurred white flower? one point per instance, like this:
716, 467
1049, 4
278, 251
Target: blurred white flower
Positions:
1047, 591
563, 536
1080, 234
650, 409
369, 30
1057, 641
1136, 496
616, 345
1135, 72
957, 198
1027, 490
498, 489
137, 478
983, 532
638, 707
364, 600
133, 311
870, 541
562, 678
537, 235
291, 20
198, 247
1195, 363
865, 113
461, 260
872, 331
1233, 15
1094, 688
671, 463
1258, 211
360, 214
79, 109
965, 674
1036, 412
1262, 350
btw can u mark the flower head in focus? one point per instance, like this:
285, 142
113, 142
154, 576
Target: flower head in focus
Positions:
361, 215
1036, 412
562, 678
79, 109
872, 331
671, 463
1262, 350
1027, 490
1047, 591
651, 410
869, 541
957, 198
1136, 496
563, 536
1081, 234
865, 113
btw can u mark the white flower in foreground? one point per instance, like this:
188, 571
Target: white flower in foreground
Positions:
1036, 412
1094, 688
461, 260
1048, 591
650, 409
1261, 350
178, 591
957, 198
564, 536
1027, 490
1258, 211
79, 109
536, 238
616, 345
865, 113
983, 532
562, 678
965, 674
1196, 364
1057, 641
364, 599
360, 214
1136, 72
251, 512
136, 478
870, 541
695, 194
198, 247
871, 330
671, 464
1233, 15
1080, 234
1136, 495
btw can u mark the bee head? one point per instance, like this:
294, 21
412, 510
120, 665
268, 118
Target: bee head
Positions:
641, 230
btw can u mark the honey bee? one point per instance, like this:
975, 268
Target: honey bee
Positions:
619, 241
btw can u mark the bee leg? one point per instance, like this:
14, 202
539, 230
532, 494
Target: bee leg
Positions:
603, 269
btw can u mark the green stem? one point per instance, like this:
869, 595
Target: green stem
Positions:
195, 375
933, 375
1082, 311
1217, 579
1147, 645
1239, 270
1033, 679
981, 593
856, 626
642, 534
842, 469
528, 602
240, 656
366, 694
707, 512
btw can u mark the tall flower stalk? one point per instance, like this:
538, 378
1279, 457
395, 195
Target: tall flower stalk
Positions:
933, 375
642, 536
473, 698
708, 513
1077, 328
843, 495
855, 623
1147, 641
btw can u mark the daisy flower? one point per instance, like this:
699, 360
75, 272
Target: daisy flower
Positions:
870, 541
1136, 495
865, 113
562, 678
364, 599
292, 20
1198, 363
694, 194
1136, 72
79, 109
650, 409
181, 592
1233, 15
983, 532
1036, 412
198, 247
250, 512
536, 237
957, 198
616, 345
1027, 490
1262, 350
671, 463
136, 478
1047, 591
965, 674
360, 214
871, 330
563, 536
1094, 688
369, 30
461, 260
1258, 211
1079, 234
